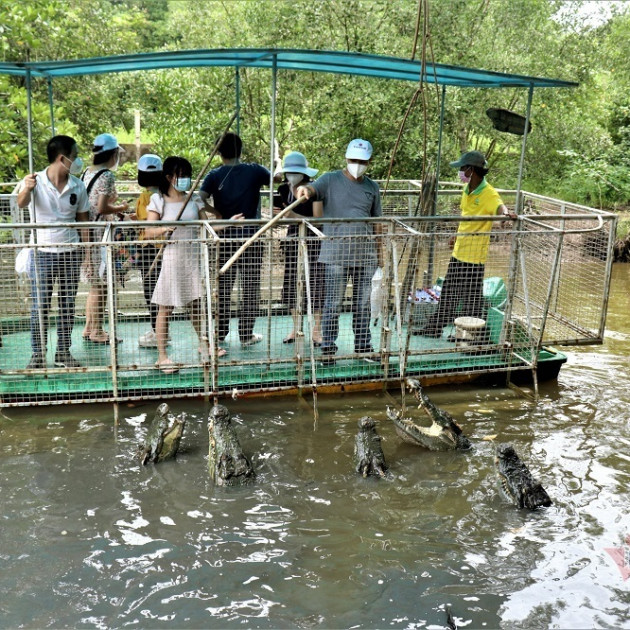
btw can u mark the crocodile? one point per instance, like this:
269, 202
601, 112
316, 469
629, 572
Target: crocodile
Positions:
227, 463
163, 437
367, 450
516, 482
444, 434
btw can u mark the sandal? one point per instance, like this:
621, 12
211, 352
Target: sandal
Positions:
167, 367
101, 338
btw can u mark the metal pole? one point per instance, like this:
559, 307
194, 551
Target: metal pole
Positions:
29, 122
50, 105
272, 143
43, 341
238, 100
107, 242
519, 201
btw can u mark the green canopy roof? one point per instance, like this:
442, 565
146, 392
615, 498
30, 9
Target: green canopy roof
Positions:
377, 66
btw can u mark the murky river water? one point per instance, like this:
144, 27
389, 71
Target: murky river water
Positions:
88, 538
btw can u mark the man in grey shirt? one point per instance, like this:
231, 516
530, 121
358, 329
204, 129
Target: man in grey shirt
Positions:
351, 251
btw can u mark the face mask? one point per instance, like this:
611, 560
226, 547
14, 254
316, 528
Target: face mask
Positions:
115, 166
76, 166
295, 178
182, 184
356, 170
465, 179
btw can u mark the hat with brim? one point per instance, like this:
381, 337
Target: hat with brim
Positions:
295, 162
359, 149
105, 142
150, 162
471, 158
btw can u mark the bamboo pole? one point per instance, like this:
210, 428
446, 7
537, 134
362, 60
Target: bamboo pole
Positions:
194, 186
239, 252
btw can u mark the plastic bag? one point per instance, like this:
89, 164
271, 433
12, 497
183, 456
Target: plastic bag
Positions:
376, 297
23, 260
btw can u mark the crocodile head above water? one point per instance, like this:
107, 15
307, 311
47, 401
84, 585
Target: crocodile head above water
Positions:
444, 434
227, 463
163, 436
516, 482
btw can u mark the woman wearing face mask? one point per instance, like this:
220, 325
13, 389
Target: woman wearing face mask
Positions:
100, 183
297, 173
179, 283
463, 283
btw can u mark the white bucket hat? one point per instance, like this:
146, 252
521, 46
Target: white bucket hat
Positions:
295, 162
359, 149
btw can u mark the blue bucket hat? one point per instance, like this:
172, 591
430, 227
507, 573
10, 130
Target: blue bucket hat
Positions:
295, 162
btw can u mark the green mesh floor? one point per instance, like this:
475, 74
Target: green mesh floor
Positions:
267, 366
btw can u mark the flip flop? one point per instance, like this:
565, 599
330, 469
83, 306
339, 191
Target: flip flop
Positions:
288, 340
167, 367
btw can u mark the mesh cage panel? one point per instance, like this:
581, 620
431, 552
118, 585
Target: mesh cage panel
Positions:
297, 310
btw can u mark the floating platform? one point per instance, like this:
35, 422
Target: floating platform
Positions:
246, 371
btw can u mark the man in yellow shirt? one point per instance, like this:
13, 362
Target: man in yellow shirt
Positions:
463, 283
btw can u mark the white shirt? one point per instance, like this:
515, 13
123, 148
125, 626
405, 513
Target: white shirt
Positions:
48, 205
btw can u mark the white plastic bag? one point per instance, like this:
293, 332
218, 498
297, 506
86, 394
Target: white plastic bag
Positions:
376, 297
23, 260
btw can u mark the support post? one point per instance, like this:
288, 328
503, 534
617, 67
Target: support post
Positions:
237, 83
50, 105
519, 200
272, 143
29, 122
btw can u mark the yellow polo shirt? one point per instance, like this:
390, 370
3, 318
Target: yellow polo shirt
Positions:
470, 246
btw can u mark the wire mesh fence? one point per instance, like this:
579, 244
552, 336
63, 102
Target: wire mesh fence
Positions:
310, 304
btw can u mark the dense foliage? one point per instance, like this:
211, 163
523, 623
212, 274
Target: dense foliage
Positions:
579, 148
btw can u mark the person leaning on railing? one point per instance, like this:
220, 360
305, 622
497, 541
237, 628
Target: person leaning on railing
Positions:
297, 173
235, 189
53, 196
351, 249
463, 283
180, 282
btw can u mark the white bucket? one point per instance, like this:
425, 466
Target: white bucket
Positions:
468, 331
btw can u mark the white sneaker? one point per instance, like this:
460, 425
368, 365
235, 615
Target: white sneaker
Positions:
148, 340
255, 338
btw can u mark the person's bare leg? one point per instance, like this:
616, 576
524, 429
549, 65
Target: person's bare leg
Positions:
161, 330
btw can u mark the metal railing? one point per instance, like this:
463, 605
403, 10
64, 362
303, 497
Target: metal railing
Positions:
546, 282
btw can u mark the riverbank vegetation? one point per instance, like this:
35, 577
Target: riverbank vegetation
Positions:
579, 148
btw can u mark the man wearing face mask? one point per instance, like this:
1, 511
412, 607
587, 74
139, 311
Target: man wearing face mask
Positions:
351, 251
53, 196
463, 283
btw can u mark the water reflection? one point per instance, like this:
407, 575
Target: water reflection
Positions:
91, 538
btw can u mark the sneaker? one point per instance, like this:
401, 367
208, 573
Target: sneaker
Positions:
148, 340
37, 362
66, 360
255, 338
